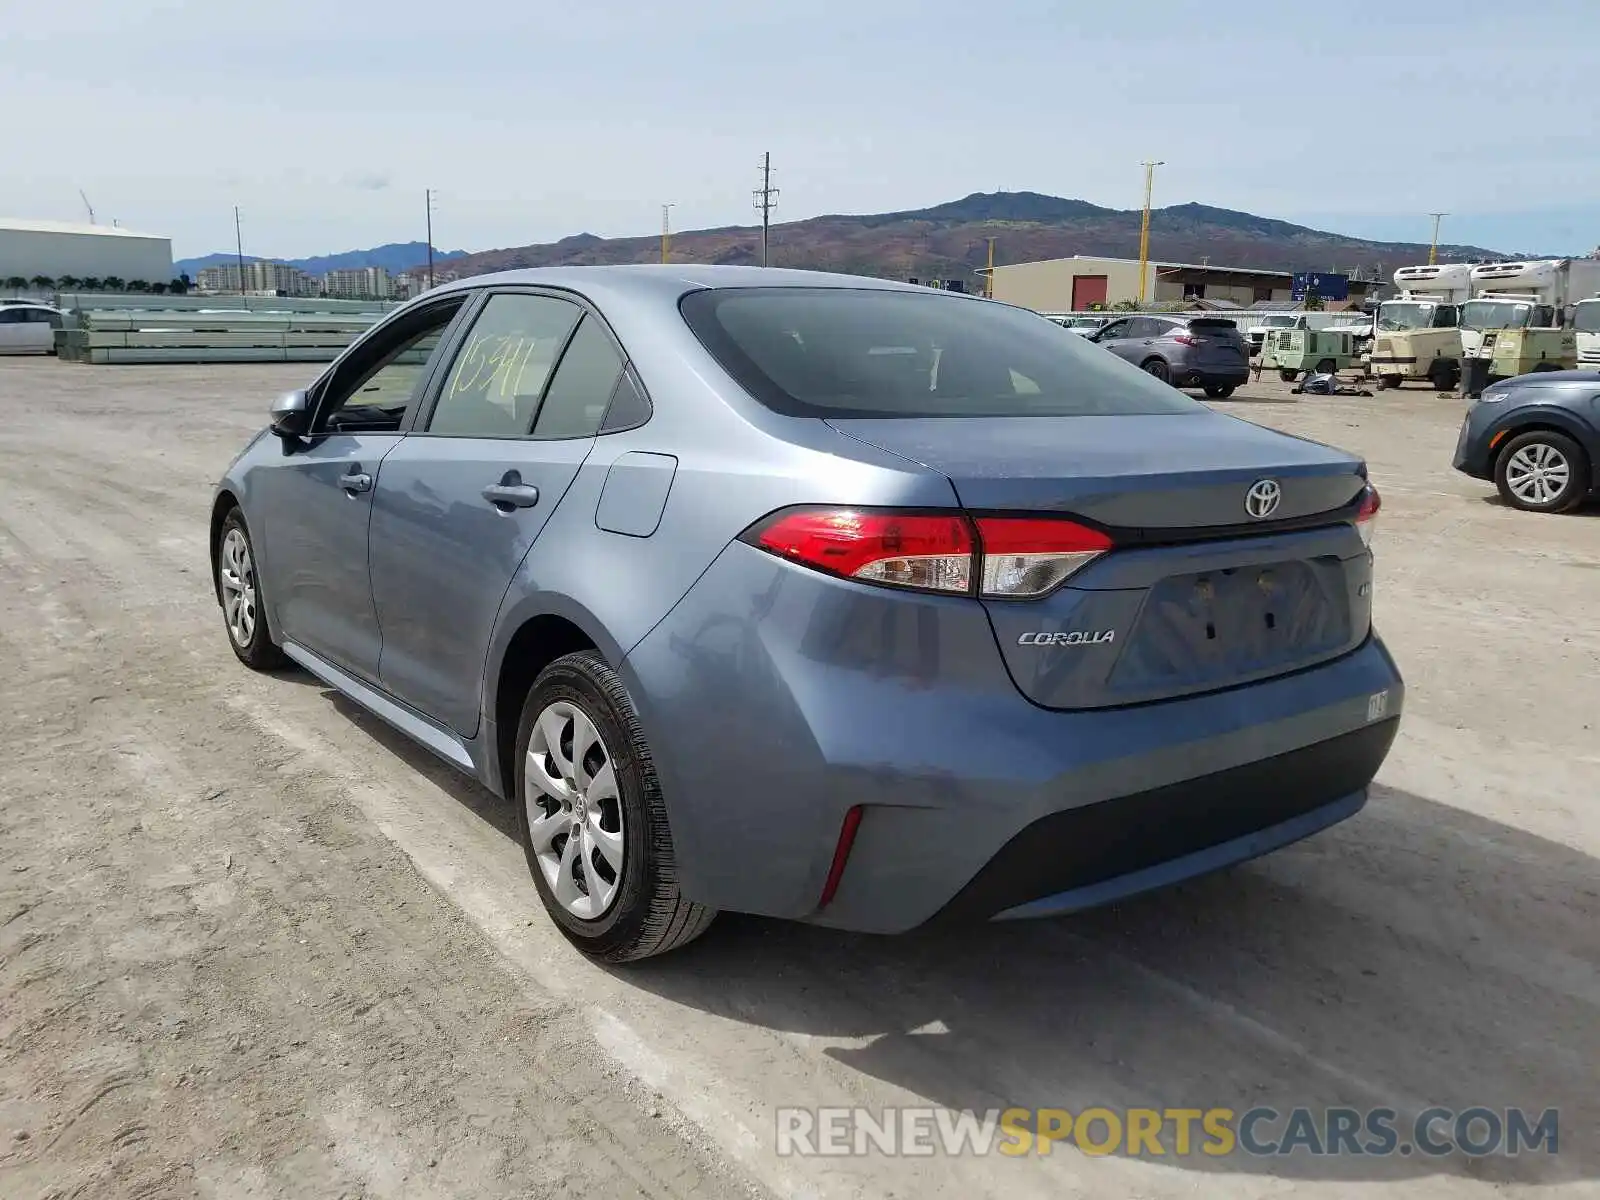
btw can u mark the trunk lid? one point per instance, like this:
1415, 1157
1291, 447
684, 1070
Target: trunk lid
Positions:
1218, 345
1199, 594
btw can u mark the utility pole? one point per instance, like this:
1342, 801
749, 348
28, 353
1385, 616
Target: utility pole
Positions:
766, 200
666, 231
238, 246
428, 197
1433, 250
1144, 225
988, 279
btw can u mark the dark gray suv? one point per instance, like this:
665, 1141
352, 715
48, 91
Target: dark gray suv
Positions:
1203, 352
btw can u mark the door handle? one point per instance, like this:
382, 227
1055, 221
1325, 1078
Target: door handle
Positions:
509, 496
355, 481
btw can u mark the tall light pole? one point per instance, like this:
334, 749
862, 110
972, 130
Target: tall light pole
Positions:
988, 279
766, 200
1433, 249
428, 199
238, 247
1144, 225
666, 230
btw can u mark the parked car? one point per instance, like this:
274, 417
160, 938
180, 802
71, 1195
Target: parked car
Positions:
1083, 325
1204, 352
1537, 437
815, 597
28, 328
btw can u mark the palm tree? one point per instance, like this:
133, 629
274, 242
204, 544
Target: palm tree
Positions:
160, 289
179, 286
113, 283
43, 283
16, 282
138, 285
89, 284
68, 283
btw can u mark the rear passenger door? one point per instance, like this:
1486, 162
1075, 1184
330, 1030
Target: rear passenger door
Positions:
1118, 338
463, 498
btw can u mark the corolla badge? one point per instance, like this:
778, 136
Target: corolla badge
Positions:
1077, 637
1262, 500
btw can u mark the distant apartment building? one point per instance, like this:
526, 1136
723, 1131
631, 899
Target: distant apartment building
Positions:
261, 278
410, 284
358, 283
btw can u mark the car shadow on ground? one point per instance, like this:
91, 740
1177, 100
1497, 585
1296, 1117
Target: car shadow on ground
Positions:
1416, 955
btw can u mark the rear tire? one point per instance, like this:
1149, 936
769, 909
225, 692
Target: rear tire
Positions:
1542, 471
244, 609
1389, 381
613, 912
1327, 367
1219, 391
1287, 375
1157, 368
1445, 376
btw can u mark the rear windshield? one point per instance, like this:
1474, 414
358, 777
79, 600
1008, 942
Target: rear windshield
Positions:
843, 352
1213, 325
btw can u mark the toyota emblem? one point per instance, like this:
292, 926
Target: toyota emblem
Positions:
1261, 501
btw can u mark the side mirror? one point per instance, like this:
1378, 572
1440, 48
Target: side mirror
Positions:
290, 415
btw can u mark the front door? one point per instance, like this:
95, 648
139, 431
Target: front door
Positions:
462, 499
311, 507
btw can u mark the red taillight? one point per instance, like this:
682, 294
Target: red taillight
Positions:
841, 854
1367, 514
911, 550
1002, 557
1185, 339
1029, 556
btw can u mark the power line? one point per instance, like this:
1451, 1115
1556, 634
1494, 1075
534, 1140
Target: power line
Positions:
766, 198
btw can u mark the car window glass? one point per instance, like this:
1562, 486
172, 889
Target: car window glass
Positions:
371, 390
877, 352
629, 407
581, 390
498, 377
1114, 329
12, 316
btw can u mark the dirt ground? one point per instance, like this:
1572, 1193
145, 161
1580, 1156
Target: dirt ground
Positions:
254, 944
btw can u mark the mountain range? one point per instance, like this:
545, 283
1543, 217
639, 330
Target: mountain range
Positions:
949, 241
946, 241
395, 257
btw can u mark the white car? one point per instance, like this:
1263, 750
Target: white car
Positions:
28, 328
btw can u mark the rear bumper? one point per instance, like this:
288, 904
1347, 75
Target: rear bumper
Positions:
776, 699
1204, 377
1096, 853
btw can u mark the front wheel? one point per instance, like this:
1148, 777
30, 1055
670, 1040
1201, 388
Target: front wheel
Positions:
1388, 381
1542, 471
1157, 369
239, 588
1287, 375
593, 822
1219, 391
1327, 367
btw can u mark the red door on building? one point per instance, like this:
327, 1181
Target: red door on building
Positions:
1087, 291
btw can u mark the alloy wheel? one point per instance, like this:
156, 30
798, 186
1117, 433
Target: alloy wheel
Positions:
237, 575
1538, 473
574, 810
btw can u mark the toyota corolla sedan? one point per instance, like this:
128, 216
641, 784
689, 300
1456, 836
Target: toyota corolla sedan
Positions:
816, 597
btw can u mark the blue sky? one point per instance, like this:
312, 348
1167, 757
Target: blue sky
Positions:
325, 121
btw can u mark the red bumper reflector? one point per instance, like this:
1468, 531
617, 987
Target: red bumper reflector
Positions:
841, 854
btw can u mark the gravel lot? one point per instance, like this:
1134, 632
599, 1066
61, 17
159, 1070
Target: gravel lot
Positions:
253, 944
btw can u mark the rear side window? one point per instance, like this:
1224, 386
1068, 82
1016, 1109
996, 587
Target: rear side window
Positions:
846, 352
581, 390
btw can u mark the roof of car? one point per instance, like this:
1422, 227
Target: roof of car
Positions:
1544, 378
676, 278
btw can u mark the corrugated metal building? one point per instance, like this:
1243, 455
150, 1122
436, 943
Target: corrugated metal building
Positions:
59, 248
1079, 283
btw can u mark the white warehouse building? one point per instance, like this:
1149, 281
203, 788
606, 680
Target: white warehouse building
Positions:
60, 248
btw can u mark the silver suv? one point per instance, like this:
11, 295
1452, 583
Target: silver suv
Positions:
1203, 352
